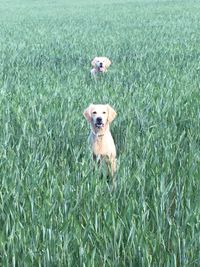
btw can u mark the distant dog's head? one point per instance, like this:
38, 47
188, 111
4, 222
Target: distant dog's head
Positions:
100, 116
101, 64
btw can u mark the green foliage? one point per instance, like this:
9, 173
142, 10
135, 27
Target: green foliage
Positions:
54, 210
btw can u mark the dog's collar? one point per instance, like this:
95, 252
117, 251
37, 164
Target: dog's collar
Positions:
99, 69
97, 135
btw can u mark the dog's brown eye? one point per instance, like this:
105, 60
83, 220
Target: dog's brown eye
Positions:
94, 112
104, 112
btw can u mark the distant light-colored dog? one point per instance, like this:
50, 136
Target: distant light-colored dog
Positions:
100, 139
100, 65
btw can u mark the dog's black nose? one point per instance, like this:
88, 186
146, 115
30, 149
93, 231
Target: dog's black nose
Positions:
99, 119
101, 64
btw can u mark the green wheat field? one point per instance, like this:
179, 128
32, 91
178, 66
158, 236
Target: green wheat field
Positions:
55, 211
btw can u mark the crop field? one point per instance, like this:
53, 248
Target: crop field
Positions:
55, 211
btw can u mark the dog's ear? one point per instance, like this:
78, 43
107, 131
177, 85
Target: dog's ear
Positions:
87, 113
108, 62
94, 61
111, 113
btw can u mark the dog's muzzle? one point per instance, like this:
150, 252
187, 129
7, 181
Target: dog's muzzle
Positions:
99, 122
100, 67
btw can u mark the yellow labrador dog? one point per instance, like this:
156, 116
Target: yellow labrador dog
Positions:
100, 139
100, 65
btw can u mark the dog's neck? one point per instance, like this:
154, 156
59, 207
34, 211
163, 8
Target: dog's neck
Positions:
100, 134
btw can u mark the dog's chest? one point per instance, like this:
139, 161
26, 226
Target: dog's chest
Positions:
102, 146
99, 147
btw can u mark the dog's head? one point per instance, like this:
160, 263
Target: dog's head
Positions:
101, 64
100, 116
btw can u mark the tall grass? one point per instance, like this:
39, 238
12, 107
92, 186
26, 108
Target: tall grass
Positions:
54, 211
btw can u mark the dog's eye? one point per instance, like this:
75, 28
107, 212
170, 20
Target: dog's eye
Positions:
94, 112
104, 112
